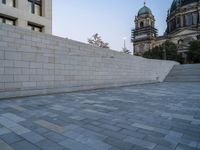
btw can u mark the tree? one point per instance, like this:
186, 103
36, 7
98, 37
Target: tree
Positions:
168, 50
194, 51
155, 53
171, 51
126, 51
96, 40
137, 54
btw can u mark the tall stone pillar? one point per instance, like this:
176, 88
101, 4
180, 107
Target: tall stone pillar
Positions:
182, 20
47, 13
22, 6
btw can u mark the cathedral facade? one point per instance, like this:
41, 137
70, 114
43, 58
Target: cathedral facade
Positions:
183, 26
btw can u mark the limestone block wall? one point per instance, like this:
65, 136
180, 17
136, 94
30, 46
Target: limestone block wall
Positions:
34, 63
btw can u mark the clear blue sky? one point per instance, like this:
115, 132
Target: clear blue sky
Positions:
112, 19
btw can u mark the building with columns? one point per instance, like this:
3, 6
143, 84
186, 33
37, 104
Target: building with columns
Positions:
30, 14
183, 26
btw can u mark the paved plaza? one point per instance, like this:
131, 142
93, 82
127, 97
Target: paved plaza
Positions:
162, 116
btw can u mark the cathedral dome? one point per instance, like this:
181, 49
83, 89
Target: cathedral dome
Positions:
180, 3
144, 10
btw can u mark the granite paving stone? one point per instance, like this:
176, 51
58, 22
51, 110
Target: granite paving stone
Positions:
18, 129
114, 148
106, 107
55, 137
173, 137
184, 147
32, 137
119, 143
139, 148
146, 127
198, 146
133, 133
74, 145
160, 147
71, 134
93, 128
110, 127
5, 146
24, 145
13, 117
162, 116
4, 130
41, 130
49, 145
11, 138
6, 122
50, 126
93, 143
139, 142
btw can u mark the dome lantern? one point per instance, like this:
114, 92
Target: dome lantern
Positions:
144, 10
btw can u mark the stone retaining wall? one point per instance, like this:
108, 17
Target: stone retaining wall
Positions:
33, 63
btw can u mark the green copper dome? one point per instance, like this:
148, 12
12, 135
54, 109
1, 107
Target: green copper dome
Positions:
180, 3
144, 10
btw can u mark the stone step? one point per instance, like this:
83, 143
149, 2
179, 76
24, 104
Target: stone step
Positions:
183, 78
186, 70
184, 73
187, 66
180, 73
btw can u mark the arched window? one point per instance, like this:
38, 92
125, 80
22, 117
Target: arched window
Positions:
173, 25
180, 41
178, 22
141, 24
148, 22
188, 19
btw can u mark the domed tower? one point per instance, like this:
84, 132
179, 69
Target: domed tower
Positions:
183, 14
183, 24
145, 32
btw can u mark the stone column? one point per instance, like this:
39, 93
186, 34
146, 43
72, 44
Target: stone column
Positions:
169, 27
22, 5
47, 13
181, 20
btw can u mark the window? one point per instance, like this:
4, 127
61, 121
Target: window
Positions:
141, 48
184, 20
178, 22
188, 19
9, 2
198, 37
148, 22
141, 24
173, 25
35, 7
195, 18
7, 20
180, 41
34, 27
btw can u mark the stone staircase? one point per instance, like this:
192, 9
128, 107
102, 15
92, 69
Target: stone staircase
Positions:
184, 73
